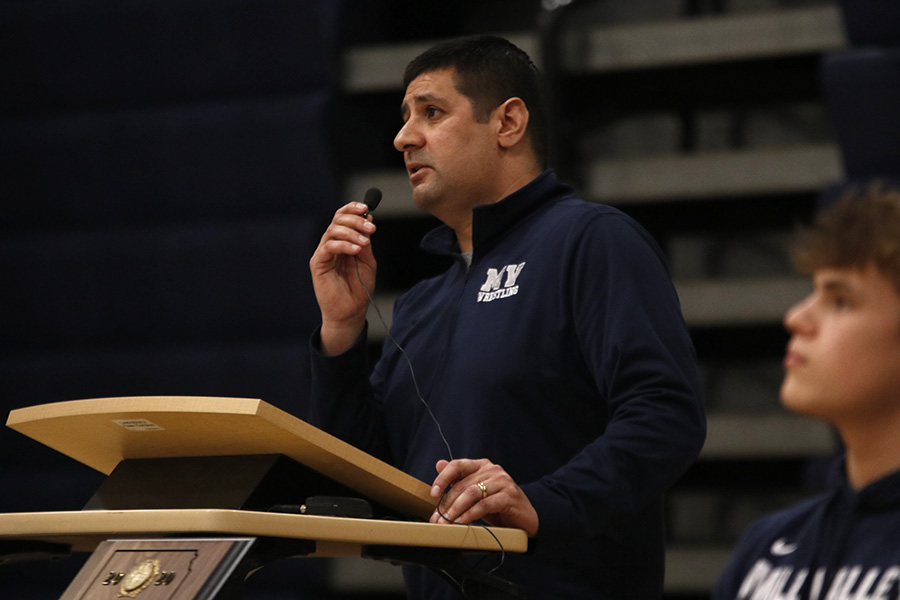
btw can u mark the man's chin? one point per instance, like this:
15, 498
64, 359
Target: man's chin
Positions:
423, 197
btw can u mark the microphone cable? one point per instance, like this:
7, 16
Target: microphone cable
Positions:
412, 371
373, 197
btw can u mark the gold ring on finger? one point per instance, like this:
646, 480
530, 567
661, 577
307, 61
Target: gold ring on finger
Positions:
483, 488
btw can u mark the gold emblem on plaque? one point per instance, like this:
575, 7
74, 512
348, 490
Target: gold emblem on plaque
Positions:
139, 578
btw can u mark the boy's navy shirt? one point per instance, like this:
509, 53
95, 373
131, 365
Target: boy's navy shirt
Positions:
560, 354
840, 545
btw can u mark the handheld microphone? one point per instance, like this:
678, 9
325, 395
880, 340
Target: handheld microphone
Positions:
372, 198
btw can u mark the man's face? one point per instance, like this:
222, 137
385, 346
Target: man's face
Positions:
449, 156
843, 360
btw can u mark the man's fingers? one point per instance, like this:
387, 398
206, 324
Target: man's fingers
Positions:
451, 472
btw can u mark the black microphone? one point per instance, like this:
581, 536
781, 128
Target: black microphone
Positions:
373, 197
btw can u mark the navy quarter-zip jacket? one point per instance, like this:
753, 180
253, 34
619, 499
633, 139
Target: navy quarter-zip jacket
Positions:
561, 355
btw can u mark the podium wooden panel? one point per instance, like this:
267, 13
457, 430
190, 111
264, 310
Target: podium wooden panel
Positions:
107, 433
104, 431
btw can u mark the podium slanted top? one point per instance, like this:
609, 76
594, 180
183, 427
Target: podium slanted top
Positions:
101, 432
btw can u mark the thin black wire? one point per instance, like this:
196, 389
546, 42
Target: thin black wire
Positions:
408, 362
412, 373
461, 584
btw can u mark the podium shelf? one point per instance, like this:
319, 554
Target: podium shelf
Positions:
334, 536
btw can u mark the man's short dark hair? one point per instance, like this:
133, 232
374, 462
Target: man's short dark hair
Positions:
489, 71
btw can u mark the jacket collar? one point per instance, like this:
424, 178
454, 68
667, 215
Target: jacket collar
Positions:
881, 494
492, 221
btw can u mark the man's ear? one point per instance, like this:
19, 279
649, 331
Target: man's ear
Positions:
513, 121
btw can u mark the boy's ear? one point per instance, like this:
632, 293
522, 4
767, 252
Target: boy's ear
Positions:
512, 118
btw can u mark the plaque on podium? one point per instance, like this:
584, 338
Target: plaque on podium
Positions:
165, 569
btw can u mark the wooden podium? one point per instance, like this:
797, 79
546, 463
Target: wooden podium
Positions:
201, 492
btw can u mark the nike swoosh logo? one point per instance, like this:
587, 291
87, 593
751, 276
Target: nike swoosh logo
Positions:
782, 548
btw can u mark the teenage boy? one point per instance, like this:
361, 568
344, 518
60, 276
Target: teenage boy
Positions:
842, 367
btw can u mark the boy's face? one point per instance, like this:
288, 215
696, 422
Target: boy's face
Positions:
843, 359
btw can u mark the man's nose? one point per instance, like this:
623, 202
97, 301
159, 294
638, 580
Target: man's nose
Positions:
407, 137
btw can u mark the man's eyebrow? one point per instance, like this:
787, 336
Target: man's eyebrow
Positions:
418, 99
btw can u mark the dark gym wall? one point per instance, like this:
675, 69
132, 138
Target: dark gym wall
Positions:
166, 175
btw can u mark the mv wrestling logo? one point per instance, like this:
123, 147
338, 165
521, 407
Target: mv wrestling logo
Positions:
491, 288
